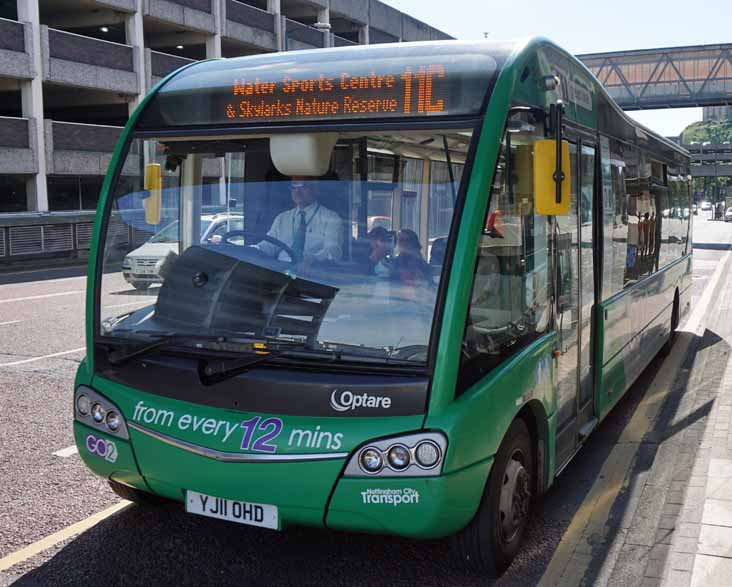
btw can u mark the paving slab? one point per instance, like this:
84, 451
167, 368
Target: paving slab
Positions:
715, 541
711, 571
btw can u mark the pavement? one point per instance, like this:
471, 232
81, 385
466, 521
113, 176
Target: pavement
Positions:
661, 510
648, 501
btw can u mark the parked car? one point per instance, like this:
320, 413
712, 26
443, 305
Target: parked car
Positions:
728, 215
141, 267
706, 206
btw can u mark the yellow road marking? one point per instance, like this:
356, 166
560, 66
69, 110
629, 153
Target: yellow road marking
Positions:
57, 537
593, 513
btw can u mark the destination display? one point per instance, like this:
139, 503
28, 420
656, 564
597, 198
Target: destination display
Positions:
372, 83
420, 90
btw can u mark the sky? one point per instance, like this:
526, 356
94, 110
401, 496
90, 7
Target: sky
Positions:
583, 26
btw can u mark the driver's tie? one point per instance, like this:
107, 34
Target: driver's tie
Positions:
298, 244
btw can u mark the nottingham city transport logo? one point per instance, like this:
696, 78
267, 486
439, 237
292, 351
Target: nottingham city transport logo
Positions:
392, 497
342, 401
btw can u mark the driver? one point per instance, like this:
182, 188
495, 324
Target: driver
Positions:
313, 231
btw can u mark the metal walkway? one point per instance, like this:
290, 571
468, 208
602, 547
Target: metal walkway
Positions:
676, 77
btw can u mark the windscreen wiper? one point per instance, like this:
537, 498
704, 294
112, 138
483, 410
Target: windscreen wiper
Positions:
216, 371
121, 356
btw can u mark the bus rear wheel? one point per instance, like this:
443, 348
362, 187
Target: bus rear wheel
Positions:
490, 541
135, 495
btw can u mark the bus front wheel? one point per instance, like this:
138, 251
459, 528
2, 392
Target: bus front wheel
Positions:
135, 495
490, 541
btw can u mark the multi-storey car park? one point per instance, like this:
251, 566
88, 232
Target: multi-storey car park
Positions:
71, 72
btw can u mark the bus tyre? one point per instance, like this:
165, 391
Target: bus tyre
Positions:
135, 495
488, 544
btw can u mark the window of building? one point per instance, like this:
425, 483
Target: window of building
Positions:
13, 195
9, 9
73, 193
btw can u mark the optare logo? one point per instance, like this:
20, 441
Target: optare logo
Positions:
342, 401
102, 448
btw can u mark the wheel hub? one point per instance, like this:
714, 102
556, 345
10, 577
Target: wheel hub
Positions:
515, 500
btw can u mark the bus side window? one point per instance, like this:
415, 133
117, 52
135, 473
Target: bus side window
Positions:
509, 303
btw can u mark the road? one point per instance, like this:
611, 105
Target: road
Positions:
45, 489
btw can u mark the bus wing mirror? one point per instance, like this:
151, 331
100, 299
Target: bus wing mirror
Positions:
546, 177
153, 186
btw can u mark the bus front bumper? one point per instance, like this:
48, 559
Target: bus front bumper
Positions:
305, 493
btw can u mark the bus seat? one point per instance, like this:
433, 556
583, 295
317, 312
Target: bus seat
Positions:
437, 253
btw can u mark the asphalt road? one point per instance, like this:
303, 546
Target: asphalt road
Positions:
41, 337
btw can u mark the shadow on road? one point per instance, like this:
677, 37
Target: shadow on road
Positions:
32, 276
708, 355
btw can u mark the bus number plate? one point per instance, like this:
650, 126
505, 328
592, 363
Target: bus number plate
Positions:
243, 512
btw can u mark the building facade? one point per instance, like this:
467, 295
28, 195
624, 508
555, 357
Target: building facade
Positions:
71, 72
717, 113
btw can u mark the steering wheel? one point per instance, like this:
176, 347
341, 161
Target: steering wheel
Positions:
256, 236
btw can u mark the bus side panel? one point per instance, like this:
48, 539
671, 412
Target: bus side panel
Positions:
633, 326
477, 421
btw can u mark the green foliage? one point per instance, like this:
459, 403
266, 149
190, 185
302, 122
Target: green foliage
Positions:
714, 132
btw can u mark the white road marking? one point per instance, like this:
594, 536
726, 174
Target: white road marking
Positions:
694, 322
67, 452
10, 322
51, 295
24, 361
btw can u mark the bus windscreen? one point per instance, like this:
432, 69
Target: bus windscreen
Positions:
368, 83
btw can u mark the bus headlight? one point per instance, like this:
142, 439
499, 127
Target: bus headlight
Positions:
96, 411
419, 454
371, 460
398, 457
113, 420
83, 404
427, 454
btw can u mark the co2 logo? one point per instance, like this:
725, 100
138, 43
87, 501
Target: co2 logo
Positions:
102, 448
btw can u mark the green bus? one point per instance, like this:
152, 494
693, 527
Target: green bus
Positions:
438, 266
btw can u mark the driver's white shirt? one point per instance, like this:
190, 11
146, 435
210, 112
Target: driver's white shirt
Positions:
323, 235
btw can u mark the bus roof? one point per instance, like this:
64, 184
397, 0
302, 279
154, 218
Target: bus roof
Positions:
418, 81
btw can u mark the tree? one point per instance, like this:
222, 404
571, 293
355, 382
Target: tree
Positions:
714, 132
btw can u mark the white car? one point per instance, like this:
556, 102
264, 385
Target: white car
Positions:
728, 215
706, 206
141, 267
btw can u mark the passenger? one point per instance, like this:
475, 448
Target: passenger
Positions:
313, 231
409, 267
379, 260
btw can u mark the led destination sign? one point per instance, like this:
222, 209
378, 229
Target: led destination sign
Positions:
416, 90
366, 83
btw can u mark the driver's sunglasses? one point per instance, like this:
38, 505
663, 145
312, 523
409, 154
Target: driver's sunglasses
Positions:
297, 185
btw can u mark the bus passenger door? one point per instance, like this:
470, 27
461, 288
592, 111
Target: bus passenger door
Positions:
575, 286
586, 189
